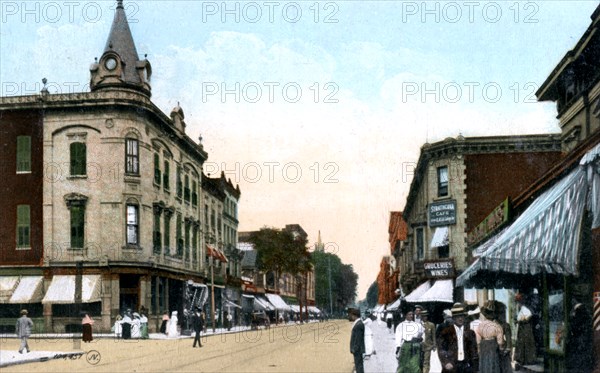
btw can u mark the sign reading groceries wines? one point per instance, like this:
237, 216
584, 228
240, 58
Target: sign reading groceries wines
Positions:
439, 268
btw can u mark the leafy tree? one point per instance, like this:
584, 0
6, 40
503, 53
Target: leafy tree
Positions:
372, 295
344, 282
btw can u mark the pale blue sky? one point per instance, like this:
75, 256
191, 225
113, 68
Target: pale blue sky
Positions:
368, 56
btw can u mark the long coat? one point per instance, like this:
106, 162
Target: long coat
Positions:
197, 323
357, 339
448, 348
23, 326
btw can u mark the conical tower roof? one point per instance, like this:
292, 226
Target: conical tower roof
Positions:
120, 41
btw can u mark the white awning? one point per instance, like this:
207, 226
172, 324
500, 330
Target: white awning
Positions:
263, 303
314, 309
415, 296
278, 302
7, 287
62, 289
295, 308
394, 305
441, 291
29, 290
440, 237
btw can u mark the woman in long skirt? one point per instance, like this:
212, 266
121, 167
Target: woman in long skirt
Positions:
165, 322
368, 337
144, 326
490, 336
86, 324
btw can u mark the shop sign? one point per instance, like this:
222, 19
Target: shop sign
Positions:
439, 268
495, 219
442, 213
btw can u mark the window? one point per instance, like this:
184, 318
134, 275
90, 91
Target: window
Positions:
166, 185
179, 185
179, 237
157, 177
187, 239
442, 174
167, 232
132, 225
420, 251
23, 226
186, 190
77, 225
132, 157
156, 236
78, 159
23, 154
194, 193
194, 243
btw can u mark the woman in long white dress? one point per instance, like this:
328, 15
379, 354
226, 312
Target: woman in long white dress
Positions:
136, 326
117, 328
368, 337
172, 327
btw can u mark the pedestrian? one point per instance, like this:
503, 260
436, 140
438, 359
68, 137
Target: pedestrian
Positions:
23, 330
165, 321
126, 325
118, 327
229, 319
506, 349
525, 350
144, 324
389, 318
447, 315
198, 325
409, 335
86, 326
172, 331
490, 338
357, 339
369, 349
474, 319
580, 342
457, 345
418, 310
136, 326
429, 340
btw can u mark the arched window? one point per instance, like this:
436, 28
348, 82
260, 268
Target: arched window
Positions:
157, 176
186, 190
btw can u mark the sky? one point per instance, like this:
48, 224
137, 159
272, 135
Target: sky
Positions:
317, 109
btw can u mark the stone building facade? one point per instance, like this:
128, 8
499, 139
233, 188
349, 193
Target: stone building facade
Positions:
106, 202
456, 183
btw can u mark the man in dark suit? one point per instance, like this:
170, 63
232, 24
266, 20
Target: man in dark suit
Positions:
457, 345
357, 339
198, 325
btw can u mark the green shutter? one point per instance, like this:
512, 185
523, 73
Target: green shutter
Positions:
78, 159
23, 226
23, 153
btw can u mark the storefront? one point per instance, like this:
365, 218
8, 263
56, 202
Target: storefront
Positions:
547, 253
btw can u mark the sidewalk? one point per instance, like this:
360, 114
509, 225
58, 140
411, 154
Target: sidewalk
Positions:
384, 361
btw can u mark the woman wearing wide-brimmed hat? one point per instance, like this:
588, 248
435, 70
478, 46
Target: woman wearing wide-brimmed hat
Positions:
490, 338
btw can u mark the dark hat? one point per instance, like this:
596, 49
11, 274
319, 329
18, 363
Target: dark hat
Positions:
489, 310
353, 311
458, 309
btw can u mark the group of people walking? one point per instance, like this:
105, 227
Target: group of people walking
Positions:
132, 325
483, 345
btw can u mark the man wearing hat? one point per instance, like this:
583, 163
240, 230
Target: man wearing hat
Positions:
418, 310
23, 330
198, 325
357, 339
457, 345
429, 342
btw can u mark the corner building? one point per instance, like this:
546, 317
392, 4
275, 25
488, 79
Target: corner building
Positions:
103, 199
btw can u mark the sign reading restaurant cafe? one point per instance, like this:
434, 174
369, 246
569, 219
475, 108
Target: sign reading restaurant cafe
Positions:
442, 213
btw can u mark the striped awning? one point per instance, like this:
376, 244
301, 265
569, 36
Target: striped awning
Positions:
7, 287
29, 290
62, 289
394, 305
278, 302
544, 238
415, 295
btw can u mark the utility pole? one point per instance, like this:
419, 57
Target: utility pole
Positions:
329, 275
212, 292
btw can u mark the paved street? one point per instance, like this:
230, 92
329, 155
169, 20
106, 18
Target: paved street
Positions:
314, 347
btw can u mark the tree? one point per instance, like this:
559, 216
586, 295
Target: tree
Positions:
342, 287
372, 295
